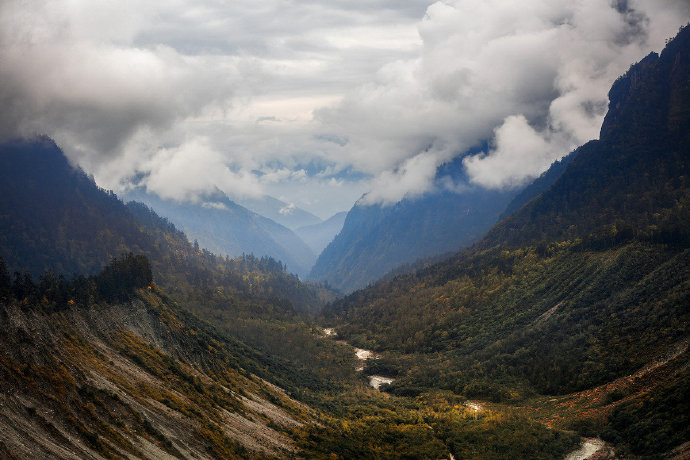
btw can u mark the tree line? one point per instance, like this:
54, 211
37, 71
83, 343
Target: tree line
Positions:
116, 282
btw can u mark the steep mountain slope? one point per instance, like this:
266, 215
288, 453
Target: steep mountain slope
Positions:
133, 378
317, 236
226, 228
279, 211
632, 180
587, 283
539, 185
375, 239
55, 217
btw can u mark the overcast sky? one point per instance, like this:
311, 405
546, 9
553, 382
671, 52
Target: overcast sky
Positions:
316, 102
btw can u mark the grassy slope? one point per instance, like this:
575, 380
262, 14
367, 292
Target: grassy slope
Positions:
551, 324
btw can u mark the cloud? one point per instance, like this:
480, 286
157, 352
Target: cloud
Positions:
518, 152
413, 178
214, 205
287, 210
248, 97
531, 78
120, 85
192, 170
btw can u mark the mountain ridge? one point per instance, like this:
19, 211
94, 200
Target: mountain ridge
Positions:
285, 214
317, 236
227, 228
376, 239
585, 284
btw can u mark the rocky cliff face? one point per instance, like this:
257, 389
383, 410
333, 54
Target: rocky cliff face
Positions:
651, 99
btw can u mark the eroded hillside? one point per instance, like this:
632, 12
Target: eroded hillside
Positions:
133, 379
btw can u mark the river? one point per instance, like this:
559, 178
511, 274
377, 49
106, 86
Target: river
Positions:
589, 447
375, 381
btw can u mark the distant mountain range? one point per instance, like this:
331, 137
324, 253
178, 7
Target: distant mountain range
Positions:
226, 228
317, 236
54, 217
286, 214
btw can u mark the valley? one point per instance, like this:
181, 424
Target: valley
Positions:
549, 320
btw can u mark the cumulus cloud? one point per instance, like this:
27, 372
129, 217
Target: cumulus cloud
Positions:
519, 151
531, 78
287, 210
230, 86
192, 170
317, 102
413, 178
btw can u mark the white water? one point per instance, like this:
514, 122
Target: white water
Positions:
376, 381
474, 406
589, 447
362, 355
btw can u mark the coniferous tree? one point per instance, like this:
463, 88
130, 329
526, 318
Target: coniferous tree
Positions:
5, 280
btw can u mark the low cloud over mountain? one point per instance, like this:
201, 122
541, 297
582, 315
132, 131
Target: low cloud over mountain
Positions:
339, 99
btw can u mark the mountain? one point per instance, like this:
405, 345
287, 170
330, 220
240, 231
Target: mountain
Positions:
317, 236
226, 228
539, 185
54, 217
630, 182
285, 214
98, 377
376, 239
574, 308
114, 365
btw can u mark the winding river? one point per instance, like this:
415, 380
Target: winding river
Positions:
587, 449
375, 381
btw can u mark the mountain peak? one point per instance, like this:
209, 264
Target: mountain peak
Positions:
651, 98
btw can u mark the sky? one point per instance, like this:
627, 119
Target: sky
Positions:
317, 102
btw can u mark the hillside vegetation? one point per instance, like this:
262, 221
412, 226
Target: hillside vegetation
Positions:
586, 283
89, 368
